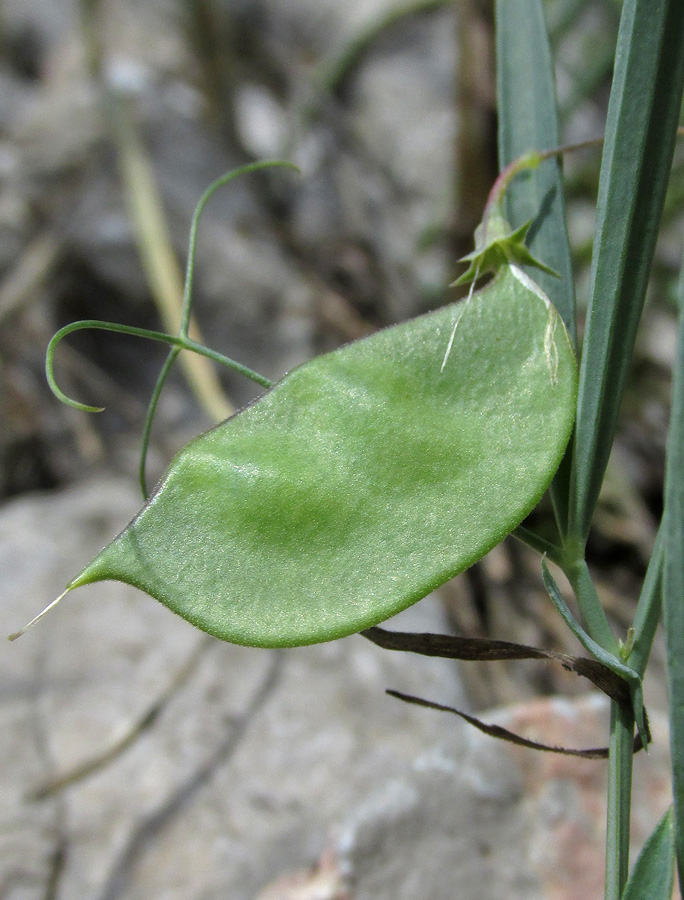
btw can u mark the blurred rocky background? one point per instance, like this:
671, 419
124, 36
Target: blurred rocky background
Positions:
115, 115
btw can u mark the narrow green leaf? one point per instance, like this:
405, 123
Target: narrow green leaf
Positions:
363, 479
608, 659
649, 607
673, 583
640, 134
652, 877
528, 120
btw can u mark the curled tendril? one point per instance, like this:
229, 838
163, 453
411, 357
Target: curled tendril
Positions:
210, 191
180, 342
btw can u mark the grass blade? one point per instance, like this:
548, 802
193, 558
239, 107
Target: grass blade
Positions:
649, 607
640, 134
528, 120
673, 594
653, 874
526, 100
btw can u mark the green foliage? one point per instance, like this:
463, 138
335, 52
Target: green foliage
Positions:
673, 599
528, 121
643, 114
653, 875
613, 663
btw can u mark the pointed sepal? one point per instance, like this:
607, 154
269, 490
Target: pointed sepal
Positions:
496, 246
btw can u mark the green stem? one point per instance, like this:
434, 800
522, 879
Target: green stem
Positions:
527, 161
538, 543
595, 619
213, 187
619, 800
612, 661
531, 160
151, 410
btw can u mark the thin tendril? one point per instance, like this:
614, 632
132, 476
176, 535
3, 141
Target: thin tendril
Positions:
182, 343
151, 409
224, 179
187, 304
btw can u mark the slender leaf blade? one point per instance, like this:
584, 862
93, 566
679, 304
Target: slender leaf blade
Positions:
603, 656
528, 120
673, 583
640, 134
649, 607
652, 877
363, 479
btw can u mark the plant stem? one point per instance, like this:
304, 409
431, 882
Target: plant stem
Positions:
595, 619
619, 800
538, 543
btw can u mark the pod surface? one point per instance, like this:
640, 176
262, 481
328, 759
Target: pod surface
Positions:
363, 479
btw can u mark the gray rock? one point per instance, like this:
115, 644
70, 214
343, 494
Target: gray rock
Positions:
474, 818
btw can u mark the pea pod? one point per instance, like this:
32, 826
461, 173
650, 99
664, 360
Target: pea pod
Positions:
363, 479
